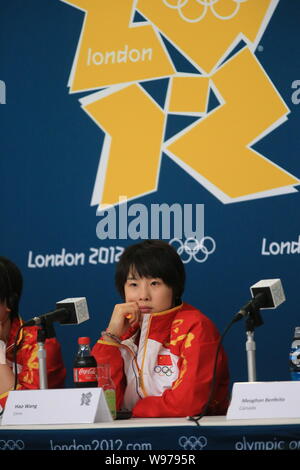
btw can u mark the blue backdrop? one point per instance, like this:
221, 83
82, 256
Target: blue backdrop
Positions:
50, 153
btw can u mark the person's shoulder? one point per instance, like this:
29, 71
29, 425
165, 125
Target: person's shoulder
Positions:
28, 334
189, 311
19, 333
193, 316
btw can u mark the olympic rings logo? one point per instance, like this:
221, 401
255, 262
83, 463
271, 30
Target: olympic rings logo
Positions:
194, 249
205, 4
163, 370
12, 445
192, 442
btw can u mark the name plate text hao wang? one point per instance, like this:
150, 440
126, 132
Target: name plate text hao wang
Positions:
251, 400
56, 406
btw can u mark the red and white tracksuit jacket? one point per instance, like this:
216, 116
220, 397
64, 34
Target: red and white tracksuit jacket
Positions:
27, 359
165, 367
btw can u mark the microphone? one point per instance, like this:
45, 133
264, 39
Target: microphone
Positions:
267, 293
68, 312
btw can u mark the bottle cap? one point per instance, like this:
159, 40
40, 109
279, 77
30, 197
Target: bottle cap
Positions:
84, 340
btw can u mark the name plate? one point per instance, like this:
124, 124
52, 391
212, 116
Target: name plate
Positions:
56, 406
251, 400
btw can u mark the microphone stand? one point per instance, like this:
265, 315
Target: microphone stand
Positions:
253, 320
46, 330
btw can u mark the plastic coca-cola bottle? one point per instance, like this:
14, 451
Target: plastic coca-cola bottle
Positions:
85, 365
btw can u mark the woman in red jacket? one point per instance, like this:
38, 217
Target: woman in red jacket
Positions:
161, 350
11, 284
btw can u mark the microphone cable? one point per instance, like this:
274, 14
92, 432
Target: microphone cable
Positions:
197, 418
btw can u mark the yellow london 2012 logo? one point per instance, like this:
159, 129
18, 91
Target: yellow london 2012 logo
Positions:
116, 54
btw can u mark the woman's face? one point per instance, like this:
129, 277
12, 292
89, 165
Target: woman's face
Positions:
151, 294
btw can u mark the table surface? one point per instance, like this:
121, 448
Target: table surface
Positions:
161, 422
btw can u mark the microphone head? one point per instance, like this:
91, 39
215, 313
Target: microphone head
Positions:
77, 309
272, 290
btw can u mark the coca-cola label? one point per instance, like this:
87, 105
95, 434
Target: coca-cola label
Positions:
85, 374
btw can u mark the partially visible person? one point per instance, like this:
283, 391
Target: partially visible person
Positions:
11, 283
161, 350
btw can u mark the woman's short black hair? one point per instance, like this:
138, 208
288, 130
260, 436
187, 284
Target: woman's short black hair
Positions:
11, 285
152, 258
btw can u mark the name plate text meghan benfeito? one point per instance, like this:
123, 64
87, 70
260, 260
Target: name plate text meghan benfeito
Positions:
252, 400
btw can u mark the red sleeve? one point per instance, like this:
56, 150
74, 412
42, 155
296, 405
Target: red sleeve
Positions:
27, 358
196, 349
109, 353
